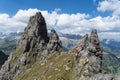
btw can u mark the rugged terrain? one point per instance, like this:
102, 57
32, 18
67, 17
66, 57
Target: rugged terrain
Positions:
41, 57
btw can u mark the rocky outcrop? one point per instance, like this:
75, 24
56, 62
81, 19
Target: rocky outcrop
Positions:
95, 48
35, 34
54, 42
33, 46
88, 63
94, 40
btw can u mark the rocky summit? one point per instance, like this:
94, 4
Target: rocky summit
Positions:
35, 34
88, 63
41, 57
33, 46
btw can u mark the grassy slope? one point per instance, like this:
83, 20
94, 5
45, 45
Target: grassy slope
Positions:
59, 66
54, 67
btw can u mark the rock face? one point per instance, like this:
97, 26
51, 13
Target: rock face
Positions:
54, 42
94, 40
97, 51
35, 34
31, 48
88, 64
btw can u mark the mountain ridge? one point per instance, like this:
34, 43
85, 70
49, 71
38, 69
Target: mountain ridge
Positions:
41, 57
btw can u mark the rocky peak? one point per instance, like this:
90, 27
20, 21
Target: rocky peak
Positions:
97, 50
37, 26
35, 34
54, 42
54, 35
32, 47
94, 40
88, 61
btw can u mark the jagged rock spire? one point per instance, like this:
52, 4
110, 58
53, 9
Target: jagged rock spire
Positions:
95, 43
37, 26
89, 57
35, 34
94, 40
54, 42
33, 46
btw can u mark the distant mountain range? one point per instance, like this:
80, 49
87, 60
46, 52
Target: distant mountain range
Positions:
68, 40
112, 44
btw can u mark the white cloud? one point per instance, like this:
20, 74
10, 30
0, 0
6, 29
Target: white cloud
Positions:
17, 22
62, 22
110, 5
23, 15
105, 23
110, 35
70, 19
51, 18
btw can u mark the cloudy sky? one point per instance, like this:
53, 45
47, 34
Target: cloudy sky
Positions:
66, 16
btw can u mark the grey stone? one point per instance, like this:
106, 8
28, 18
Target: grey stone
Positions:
36, 46
102, 77
34, 33
54, 42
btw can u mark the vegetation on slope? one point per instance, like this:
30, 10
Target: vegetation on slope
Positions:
55, 67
